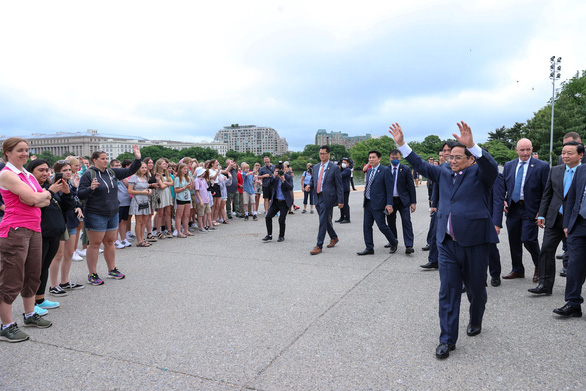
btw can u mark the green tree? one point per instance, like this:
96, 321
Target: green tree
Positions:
338, 151
431, 145
126, 155
499, 151
359, 152
311, 151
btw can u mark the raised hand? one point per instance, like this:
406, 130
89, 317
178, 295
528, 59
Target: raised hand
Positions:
465, 137
397, 133
136, 151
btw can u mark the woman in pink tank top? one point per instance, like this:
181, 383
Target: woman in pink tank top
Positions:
20, 240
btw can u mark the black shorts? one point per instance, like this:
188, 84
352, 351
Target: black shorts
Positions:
267, 192
179, 202
123, 213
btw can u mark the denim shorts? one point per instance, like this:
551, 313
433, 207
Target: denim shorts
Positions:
72, 231
99, 223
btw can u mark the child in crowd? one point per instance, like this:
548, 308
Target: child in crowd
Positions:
182, 184
164, 199
202, 198
124, 206
257, 186
138, 186
248, 191
223, 181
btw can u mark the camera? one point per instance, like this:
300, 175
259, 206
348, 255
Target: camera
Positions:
279, 168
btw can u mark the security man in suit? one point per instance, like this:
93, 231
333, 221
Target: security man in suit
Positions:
404, 200
575, 230
378, 201
326, 184
346, 173
464, 229
281, 200
551, 213
525, 180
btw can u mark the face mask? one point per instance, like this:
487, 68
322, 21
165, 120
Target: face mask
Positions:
395, 162
344, 165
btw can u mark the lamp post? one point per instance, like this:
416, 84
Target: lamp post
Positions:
554, 75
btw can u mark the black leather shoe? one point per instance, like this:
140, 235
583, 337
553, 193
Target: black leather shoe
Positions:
563, 272
268, 237
539, 289
560, 256
430, 265
366, 252
473, 329
569, 311
388, 245
425, 248
281, 239
345, 222
443, 350
409, 250
495, 281
338, 221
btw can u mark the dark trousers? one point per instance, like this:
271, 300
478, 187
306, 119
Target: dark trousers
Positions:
522, 232
457, 265
308, 195
233, 201
405, 213
551, 240
370, 216
431, 230
325, 221
280, 207
50, 248
433, 252
494, 261
345, 211
576, 263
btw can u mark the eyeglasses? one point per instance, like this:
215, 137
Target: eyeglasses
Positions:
324, 153
66, 161
456, 158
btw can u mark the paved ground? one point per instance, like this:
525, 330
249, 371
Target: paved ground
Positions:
225, 311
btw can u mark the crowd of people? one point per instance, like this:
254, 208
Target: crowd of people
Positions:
48, 209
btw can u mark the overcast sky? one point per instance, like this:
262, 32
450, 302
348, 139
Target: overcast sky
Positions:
182, 70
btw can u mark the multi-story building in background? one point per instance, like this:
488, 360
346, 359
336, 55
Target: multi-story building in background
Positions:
85, 143
251, 138
322, 137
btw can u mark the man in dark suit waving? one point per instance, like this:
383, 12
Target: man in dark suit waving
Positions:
326, 183
551, 213
464, 229
404, 199
378, 201
525, 180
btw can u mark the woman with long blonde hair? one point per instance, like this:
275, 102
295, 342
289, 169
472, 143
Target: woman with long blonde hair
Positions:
164, 199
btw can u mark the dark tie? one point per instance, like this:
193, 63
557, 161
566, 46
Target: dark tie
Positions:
370, 178
518, 181
394, 175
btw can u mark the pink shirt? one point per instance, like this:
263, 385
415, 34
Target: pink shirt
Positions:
18, 214
201, 185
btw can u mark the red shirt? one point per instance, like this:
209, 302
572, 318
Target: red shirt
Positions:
240, 182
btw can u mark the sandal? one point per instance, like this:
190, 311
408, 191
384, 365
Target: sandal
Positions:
161, 235
144, 243
151, 238
182, 236
189, 234
225, 222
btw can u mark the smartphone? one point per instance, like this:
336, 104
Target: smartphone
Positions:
58, 176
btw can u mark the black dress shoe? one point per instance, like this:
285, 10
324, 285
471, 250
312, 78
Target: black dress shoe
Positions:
430, 265
388, 245
345, 222
560, 256
394, 248
409, 250
539, 289
443, 350
495, 281
563, 272
569, 310
473, 329
339, 220
268, 237
425, 248
281, 239
366, 252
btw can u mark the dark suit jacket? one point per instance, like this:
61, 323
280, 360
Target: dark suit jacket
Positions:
535, 181
467, 200
332, 184
498, 200
574, 198
405, 184
286, 188
553, 195
381, 188
346, 173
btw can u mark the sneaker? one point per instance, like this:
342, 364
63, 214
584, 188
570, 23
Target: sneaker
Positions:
57, 291
311, 212
101, 250
36, 321
48, 305
114, 273
70, 286
126, 243
203, 230
254, 218
94, 279
76, 257
13, 334
246, 218
174, 232
212, 229
118, 245
130, 236
40, 311
81, 253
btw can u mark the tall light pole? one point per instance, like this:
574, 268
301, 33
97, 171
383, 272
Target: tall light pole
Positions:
554, 75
